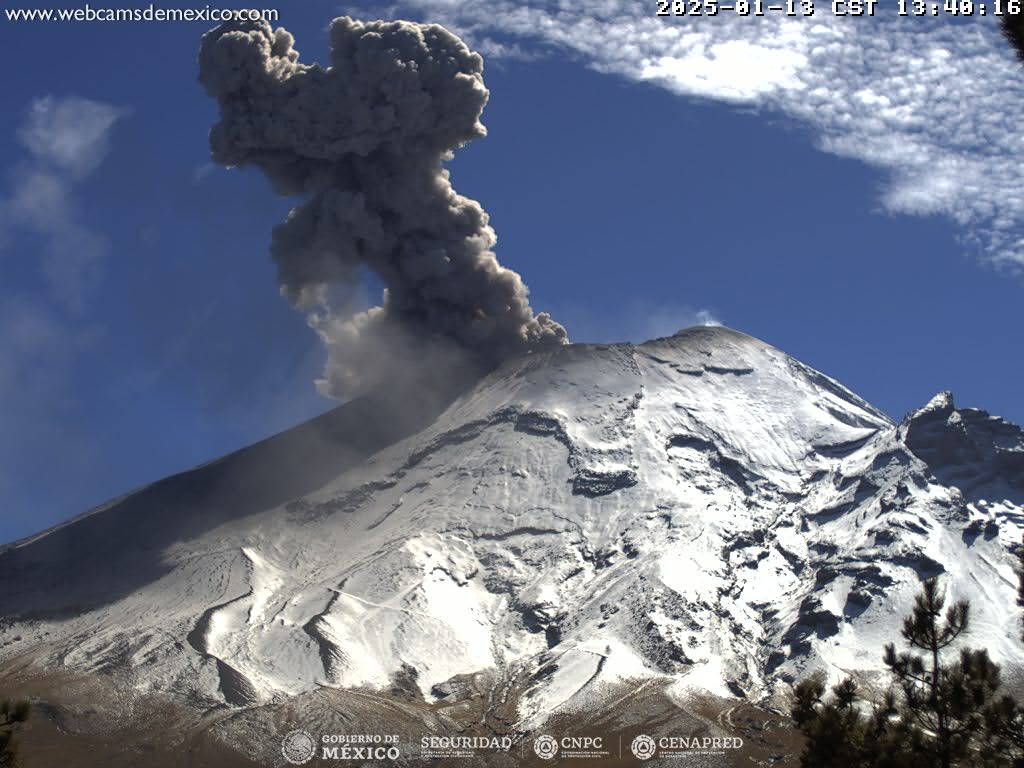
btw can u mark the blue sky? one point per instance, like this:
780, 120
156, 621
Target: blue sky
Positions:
848, 190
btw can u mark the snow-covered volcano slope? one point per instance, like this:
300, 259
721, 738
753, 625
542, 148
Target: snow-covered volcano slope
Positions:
702, 508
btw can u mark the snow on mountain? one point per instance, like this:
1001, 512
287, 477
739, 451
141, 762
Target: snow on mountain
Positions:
701, 509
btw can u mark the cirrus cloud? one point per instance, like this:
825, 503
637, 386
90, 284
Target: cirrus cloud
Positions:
936, 106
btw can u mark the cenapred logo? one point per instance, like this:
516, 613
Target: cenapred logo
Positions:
643, 747
298, 747
546, 747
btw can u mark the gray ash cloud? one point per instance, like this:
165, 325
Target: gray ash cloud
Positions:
363, 143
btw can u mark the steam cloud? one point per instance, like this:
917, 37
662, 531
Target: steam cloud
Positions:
364, 141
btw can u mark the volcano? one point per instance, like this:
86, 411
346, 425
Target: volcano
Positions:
613, 538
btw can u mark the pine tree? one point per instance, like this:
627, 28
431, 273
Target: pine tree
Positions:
1004, 719
942, 712
840, 732
832, 727
1003, 741
12, 715
948, 701
836, 732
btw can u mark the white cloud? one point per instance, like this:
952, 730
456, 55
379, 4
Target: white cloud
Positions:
71, 134
706, 317
734, 70
936, 106
66, 139
645, 321
44, 333
39, 199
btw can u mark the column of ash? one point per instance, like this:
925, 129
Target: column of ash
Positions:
363, 143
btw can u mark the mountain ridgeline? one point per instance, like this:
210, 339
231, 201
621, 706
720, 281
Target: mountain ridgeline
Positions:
700, 515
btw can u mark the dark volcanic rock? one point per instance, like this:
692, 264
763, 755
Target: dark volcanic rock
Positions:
966, 447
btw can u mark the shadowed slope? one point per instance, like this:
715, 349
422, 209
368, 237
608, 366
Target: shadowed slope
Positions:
117, 548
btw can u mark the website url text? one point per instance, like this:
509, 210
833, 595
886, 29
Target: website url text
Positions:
150, 13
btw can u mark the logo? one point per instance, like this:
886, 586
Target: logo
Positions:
643, 747
565, 748
546, 747
678, 746
360, 746
298, 747
436, 747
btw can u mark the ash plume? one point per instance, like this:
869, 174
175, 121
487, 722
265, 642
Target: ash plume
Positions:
364, 142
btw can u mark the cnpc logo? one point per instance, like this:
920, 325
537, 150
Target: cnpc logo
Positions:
547, 747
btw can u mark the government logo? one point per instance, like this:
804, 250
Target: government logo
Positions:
298, 747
